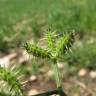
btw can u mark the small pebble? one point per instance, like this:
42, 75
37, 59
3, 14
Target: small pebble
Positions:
32, 92
49, 73
93, 74
33, 78
82, 72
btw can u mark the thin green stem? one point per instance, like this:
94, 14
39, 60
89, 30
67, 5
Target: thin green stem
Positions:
57, 75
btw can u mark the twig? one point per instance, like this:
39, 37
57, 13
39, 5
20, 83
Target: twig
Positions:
83, 86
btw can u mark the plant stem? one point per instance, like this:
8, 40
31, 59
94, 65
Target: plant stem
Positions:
49, 93
57, 75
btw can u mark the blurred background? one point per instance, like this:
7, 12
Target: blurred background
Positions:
26, 20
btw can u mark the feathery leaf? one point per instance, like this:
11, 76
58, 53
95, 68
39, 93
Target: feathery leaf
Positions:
37, 51
9, 77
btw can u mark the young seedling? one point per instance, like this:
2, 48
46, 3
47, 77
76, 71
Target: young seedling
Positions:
57, 45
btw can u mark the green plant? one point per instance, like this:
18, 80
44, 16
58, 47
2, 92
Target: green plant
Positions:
57, 46
60, 15
10, 83
4, 94
84, 57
